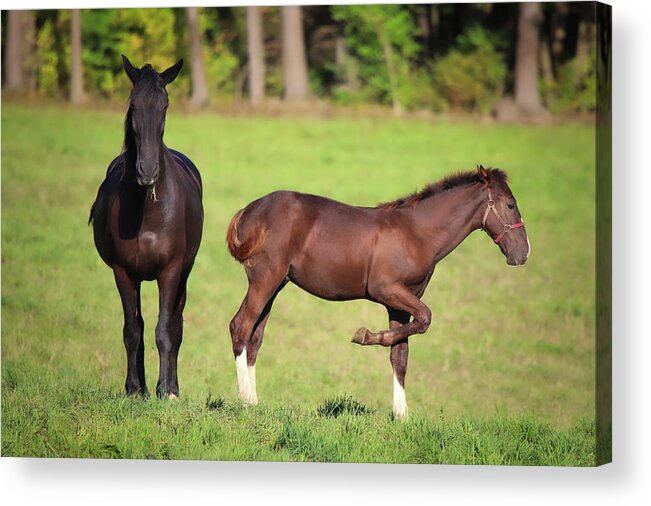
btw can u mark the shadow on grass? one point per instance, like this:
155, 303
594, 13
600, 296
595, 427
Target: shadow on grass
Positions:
214, 404
342, 404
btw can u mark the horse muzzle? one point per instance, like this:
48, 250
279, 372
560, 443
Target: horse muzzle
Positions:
517, 261
147, 173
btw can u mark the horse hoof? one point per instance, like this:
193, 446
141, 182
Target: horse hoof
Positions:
172, 396
248, 401
360, 336
400, 414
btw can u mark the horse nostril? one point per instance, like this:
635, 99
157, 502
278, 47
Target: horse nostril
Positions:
147, 172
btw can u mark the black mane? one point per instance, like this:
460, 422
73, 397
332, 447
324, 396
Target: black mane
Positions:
497, 178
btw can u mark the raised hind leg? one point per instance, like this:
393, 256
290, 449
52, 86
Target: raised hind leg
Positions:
132, 332
399, 357
399, 297
264, 284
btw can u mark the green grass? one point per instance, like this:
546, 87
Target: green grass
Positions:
505, 375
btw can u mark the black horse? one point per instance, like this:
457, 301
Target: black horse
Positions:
147, 223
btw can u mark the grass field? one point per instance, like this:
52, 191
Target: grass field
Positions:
505, 374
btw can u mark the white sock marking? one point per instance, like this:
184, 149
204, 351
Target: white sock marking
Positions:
243, 385
399, 399
254, 393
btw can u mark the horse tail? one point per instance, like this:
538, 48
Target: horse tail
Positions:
242, 251
91, 216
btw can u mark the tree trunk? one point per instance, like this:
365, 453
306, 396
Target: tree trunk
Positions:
255, 40
30, 70
546, 66
77, 95
14, 64
293, 54
199, 96
527, 96
391, 70
21, 40
426, 28
393, 81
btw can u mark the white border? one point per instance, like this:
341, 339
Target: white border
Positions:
626, 481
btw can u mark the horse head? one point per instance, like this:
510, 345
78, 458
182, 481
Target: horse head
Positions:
502, 220
145, 123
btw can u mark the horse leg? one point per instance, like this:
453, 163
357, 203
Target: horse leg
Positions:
167, 337
255, 342
399, 356
252, 353
176, 336
140, 356
263, 286
132, 332
399, 297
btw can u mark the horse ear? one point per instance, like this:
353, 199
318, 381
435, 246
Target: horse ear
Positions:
170, 74
483, 173
131, 71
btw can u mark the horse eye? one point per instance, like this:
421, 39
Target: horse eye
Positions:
510, 206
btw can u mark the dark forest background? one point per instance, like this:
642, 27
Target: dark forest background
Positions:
516, 60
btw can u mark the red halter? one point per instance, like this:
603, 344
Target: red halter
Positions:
506, 227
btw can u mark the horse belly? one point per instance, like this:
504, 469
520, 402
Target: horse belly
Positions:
328, 278
148, 256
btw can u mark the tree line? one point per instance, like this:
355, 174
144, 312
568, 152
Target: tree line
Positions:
514, 59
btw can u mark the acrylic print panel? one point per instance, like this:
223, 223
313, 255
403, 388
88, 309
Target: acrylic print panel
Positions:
397, 133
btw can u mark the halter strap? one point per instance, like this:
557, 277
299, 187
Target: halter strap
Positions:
506, 227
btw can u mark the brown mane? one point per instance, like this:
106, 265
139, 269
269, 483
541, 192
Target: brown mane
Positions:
497, 178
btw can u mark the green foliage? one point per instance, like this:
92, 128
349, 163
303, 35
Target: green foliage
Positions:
219, 54
143, 35
471, 75
155, 36
220, 64
420, 92
275, 81
382, 38
389, 59
575, 89
49, 56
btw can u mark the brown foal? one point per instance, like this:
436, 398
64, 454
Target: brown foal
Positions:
385, 254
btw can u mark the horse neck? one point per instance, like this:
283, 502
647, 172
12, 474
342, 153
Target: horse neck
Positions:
447, 219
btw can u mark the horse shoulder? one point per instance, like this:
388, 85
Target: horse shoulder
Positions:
108, 186
401, 245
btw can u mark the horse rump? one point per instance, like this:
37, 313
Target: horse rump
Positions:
243, 250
